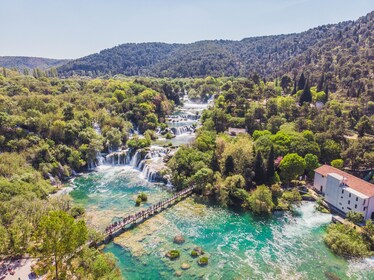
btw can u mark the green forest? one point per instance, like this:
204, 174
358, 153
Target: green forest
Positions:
343, 52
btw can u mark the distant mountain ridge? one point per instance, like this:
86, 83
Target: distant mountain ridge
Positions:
26, 62
343, 51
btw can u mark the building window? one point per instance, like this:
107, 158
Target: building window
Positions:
349, 195
342, 191
356, 198
349, 208
364, 202
341, 197
349, 202
365, 208
355, 206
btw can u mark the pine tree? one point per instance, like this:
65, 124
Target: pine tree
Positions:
215, 164
327, 93
229, 166
270, 168
301, 83
259, 169
306, 96
321, 82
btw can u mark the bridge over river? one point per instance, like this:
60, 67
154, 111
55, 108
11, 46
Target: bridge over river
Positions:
129, 221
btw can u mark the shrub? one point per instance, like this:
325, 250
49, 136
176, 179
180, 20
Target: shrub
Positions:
143, 196
203, 261
344, 240
355, 217
194, 254
173, 254
337, 163
77, 211
138, 201
260, 200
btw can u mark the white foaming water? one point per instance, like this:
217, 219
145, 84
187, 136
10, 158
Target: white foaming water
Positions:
356, 266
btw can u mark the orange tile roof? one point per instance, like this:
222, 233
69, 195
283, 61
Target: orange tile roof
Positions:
353, 182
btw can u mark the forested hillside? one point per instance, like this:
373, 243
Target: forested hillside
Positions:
24, 63
343, 52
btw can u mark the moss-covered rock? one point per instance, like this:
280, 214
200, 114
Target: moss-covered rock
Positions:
173, 254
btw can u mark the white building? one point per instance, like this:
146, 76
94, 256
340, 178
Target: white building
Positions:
344, 191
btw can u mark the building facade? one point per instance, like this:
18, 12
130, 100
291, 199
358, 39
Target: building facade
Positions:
344, 191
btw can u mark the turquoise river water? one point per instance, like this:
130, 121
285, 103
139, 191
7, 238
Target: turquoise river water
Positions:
239, 245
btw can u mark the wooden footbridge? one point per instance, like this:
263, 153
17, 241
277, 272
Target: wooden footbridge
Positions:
129, 221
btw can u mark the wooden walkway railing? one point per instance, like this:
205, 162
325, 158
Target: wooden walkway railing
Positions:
118, 227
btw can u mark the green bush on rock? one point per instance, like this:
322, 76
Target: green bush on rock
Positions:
194, 254
173, 254
138, 201
203, 261
143, 197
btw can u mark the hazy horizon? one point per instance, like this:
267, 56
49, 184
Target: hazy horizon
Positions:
69, 30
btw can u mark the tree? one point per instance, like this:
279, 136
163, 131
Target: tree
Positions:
294, 87
321, 82
311, 163
203, 177
337, 163
260, 200
285, 82
68, 113
355, 217
301, 82
229, 165
4, 240
344, 240
306, 95
270, 168
60, 236
291, 166
259, 168
363, 126
330, 150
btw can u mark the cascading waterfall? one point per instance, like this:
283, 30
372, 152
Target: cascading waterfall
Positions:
149, 161
118, 158
182, 129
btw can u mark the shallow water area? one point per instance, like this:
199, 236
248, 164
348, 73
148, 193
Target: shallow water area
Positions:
239, 245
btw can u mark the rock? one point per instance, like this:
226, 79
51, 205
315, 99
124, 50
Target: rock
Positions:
179, 239
185, 266
178, 273
199, 251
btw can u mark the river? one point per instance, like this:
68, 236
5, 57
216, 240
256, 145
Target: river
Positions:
239, 245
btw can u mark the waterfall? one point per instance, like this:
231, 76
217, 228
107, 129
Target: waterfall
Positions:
182, 129
117, 158
135, 159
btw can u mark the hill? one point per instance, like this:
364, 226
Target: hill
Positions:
343, 52
24, 62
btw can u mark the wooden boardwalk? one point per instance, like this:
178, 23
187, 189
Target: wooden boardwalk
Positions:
119, 227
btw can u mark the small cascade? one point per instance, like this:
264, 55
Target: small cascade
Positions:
182, 129
118, 158
136, 159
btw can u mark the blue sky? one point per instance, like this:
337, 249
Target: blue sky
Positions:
75, 28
